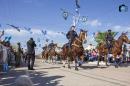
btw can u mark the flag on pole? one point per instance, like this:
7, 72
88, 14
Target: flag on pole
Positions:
77, 3
123, 8
28, 29
15, 27
1, 33
44, 32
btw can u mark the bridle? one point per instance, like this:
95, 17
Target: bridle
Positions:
79, 40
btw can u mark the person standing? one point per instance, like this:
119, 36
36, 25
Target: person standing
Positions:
18, 55
31, 53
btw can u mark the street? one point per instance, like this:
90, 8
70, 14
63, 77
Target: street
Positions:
55, 75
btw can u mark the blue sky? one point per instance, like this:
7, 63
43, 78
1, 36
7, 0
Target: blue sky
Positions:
46, 14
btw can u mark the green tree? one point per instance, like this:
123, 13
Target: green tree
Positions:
100, 36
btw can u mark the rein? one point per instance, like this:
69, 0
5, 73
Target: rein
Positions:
76, 45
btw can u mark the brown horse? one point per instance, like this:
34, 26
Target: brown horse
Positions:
76, 50
45, 54
116, 50
52, 53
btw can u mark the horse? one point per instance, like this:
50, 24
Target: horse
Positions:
116, 49
76, 51
52, 53
45, 54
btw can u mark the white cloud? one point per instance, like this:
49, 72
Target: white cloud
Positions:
53, 33
94, 23
15, 32
36, 31
119, 28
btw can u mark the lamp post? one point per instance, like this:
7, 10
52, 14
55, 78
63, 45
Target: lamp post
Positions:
76, 16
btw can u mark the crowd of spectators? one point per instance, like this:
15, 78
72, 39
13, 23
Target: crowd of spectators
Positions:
9, 56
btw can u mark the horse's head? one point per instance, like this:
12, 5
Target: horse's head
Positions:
124, 37
83, 35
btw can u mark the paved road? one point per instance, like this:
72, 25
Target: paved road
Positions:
54, 75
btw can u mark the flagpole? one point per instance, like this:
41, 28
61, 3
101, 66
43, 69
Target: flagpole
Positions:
75, 17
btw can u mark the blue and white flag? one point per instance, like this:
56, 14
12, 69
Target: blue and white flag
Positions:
77, 3
44, 32
15, 27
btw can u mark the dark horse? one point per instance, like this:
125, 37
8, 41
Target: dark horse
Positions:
77, 51
116, 50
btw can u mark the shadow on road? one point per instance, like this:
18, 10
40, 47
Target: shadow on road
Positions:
93, 67
38, 78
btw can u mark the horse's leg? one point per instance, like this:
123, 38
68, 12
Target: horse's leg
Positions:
76, 61
81, 60
98, 59
68, 59
115, 62
55, 58
63, 63
49, 61
43, 58
106, 60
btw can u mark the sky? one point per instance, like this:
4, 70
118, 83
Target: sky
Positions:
46, 15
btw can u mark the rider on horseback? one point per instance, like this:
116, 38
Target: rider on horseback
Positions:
51, 45
71, 35
109, 40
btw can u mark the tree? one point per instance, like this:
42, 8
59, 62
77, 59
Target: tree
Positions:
100, 36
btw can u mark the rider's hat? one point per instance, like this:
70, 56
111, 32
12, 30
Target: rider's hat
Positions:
73, 28
31, 38
109, 30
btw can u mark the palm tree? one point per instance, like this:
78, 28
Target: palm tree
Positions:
100, 36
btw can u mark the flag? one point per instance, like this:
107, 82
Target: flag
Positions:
44, 32
115, 34
63, 33
1, 33
28, 29
123, 8
31, 32
47, 40
9, 38
38, 39
77, 3
6, 38
15, 27
39, 45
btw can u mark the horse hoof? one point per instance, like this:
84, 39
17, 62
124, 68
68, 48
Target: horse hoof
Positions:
116, 66
107, 65
80, 65
98, 65
76, 69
